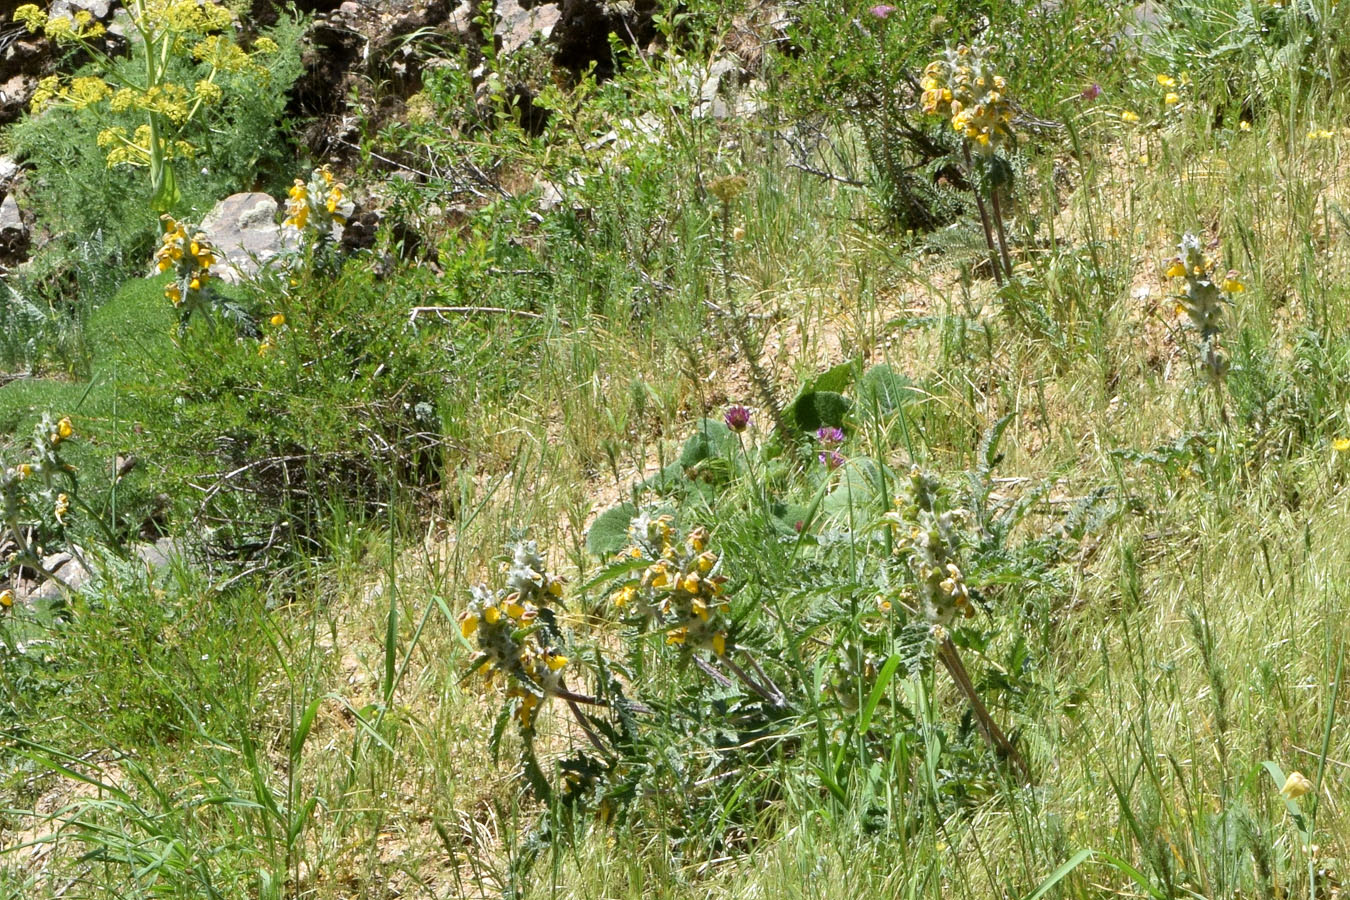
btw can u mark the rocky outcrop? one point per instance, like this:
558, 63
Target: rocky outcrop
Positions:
244, 229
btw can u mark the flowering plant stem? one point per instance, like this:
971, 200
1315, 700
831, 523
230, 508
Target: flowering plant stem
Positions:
984, 216
740, 333
951, 660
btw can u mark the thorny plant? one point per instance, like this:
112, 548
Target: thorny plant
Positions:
928, 538
1202, 300
727, 189
168, 37
963, 86
317, 210
185, 252
37, 498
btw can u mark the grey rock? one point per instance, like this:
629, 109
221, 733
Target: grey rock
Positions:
157, 556
349, 8
243, 228
518, 25
9, 170
99, 9
14, 235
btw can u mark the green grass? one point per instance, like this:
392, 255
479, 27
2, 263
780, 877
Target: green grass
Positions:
1160, 564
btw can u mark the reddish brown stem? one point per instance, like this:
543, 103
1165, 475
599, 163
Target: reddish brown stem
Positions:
988, 727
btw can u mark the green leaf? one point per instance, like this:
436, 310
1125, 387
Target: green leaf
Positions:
711, 438
302, 729
1060, 874
609, 532
815, 409
835, 379
886, 390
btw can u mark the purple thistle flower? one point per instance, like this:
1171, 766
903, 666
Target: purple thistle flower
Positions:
882, 10
737, 418
831, 459
830, 436
1092, 93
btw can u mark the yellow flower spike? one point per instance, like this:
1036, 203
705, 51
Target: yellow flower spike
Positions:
690, 583
492, 615
1176, 270
514, 610
625, 596
468, 624
634, 552
706, 561
1296, 785
719, 643
556, 661
1341, 445
278, 320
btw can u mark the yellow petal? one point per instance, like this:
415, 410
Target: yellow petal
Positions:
1296, 785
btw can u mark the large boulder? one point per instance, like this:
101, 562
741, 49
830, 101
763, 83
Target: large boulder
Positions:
244, 230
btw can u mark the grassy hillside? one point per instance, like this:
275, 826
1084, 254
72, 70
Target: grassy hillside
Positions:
878, 554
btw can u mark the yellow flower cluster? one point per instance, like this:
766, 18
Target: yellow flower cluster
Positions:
1201, 300
190, 258
65, 29
515, 632
930, 541
681, 589
315, 208
135, 150
1203, 296
963, 85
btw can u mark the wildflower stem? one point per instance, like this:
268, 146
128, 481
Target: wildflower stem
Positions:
770, 696
712, 673
586, 727
1002, 236
951, 659
984, 217
740, 333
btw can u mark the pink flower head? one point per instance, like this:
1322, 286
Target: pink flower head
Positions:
830, 436
882, 10
831, 459
737, 418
